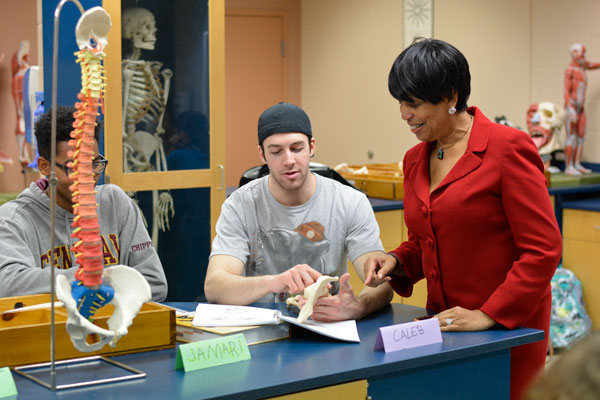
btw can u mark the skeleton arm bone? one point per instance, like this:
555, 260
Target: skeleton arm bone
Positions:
165, 200
165, 204
148, 68
167, 74
127, 76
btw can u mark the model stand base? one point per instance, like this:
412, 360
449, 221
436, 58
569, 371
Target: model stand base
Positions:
73, 373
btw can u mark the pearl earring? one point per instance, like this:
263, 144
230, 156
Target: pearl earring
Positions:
451, 110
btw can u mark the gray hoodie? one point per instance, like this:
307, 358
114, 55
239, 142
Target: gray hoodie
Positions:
25, 241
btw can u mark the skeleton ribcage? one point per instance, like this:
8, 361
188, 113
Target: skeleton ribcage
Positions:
146, 95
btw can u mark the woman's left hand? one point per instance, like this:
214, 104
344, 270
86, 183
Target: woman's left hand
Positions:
460, 319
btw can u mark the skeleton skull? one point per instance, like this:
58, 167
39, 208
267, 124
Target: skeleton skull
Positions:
92, 30
551, 116
139, 26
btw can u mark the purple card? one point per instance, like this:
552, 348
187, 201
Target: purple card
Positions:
408, 335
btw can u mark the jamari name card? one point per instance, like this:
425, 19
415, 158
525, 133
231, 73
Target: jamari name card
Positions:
212, 352
408, 335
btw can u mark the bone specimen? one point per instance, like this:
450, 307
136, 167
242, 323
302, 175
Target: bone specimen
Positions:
312, 293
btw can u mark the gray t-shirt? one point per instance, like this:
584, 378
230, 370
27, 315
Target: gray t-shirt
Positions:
337, 223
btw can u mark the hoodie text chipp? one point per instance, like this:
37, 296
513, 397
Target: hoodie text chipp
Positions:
25, 241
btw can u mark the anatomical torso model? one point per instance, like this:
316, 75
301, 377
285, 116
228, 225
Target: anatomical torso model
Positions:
19, 66
575, 87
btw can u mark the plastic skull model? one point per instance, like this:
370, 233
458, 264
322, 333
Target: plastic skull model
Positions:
92, 30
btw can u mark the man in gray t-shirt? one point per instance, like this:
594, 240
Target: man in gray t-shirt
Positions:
278, 234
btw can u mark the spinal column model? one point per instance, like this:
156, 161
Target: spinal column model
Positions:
144, 103
88, 250
94, 286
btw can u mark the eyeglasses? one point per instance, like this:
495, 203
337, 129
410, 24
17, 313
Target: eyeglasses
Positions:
98, 165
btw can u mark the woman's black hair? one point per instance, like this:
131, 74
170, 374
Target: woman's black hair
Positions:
431, 70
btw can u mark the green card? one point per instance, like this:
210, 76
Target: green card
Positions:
213, 352
7, 384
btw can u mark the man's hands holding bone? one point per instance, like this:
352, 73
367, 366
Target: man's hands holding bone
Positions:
294, 280
326, 308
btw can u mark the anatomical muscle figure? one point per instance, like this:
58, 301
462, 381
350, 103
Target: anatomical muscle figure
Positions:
19, 66
575, 87
145, 94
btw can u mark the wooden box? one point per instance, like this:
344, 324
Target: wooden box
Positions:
384, 181
25, 336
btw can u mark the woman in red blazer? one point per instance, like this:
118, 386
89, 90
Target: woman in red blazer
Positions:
481, 229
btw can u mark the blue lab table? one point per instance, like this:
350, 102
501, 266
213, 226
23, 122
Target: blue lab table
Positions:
473, 364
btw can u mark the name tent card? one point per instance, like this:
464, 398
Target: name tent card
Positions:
7, 383
408, 335
212, 352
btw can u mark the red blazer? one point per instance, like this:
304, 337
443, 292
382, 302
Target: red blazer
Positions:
486, 238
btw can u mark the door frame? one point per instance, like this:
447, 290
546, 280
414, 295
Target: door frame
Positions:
213, 177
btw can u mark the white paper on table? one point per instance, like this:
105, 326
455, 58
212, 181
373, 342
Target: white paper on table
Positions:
226, 315
342, 330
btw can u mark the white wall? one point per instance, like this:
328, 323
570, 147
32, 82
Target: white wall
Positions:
348, 47
556, 25
517, 51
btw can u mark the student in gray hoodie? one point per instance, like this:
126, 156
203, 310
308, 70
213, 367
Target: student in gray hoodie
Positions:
25, 223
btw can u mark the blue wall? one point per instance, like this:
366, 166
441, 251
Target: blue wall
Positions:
69, 72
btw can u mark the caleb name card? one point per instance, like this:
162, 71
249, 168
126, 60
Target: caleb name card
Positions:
212, 352
408, 335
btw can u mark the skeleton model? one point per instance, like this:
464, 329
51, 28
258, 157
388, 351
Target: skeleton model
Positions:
144, 103
94, 286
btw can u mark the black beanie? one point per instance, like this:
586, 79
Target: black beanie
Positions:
283, 118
